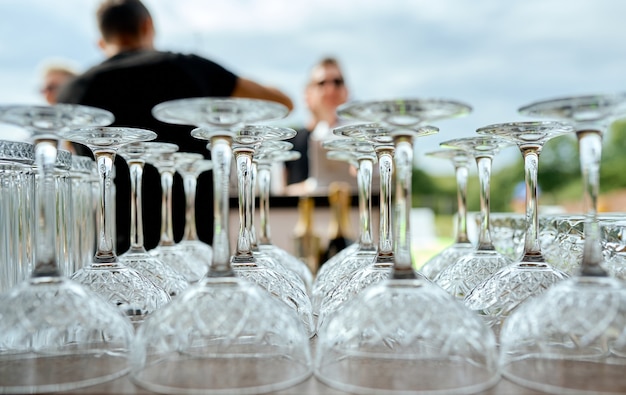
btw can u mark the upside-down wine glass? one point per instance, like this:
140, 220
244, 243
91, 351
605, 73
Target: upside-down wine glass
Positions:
335, 289
459, 278
405, 334
571, 338
106, 275
248, 261
502, 292
267, 155
462, 245
136, 257
279, 281
56, 334
225, 334
382, 143
84, 183
182, 259
190, 165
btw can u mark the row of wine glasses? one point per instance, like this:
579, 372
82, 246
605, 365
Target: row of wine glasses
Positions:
502, 290
395, 334
56, 334
37, 342
246, 324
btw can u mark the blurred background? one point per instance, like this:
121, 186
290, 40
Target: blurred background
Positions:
493, 55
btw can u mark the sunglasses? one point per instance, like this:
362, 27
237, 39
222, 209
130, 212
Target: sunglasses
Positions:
338, 82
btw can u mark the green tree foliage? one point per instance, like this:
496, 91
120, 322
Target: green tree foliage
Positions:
559, 176
613, 165
558, 163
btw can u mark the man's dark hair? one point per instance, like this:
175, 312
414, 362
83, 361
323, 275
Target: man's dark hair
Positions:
121, 18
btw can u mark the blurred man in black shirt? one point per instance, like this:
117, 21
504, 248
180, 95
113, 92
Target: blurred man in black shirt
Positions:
130, 82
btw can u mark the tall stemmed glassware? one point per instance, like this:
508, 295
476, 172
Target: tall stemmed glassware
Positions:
462, 245
423, 339
501, 293
571, 338
239, 337
157, 271
190, 165
268, 154
17, 222
336, 288
84, 207
376, 138
64, 213
124, 287
260, 268
468, 271
177, 256
55, 334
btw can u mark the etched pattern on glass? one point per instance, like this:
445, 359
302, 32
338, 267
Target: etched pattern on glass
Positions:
290, 262
281, 288
124, 289
337, 274
461, 277
218, 326
160, 273
350, 287
17, 152
173, 256
446, 258
370, 327
571, 325
495, 299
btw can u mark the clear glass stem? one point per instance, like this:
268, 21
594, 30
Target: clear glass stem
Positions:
190, 182
45, 237
243, 157
403, 268
264, 178
253, 175
364, 185
105, 247
385, 239
461, 171
136, 216
167, 229
532, 248
484, 179
590, 146
221, 155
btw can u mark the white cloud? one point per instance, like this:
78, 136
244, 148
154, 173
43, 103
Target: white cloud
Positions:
496, 55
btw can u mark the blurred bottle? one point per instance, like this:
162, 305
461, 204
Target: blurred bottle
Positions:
339, 228
306, 242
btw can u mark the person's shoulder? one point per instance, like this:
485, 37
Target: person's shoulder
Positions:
192, 58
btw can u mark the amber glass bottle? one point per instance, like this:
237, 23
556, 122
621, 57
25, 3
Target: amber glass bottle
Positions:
339, 228
306, 241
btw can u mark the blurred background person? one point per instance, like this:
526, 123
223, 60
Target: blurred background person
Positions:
325, 91
134, 78
54, 74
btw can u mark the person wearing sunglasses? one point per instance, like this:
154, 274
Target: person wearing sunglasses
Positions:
325, 91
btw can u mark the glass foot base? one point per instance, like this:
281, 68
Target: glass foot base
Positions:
37, 372
366, 374
559, 376
234, 374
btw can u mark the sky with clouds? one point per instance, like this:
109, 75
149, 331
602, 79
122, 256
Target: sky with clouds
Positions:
494, 55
